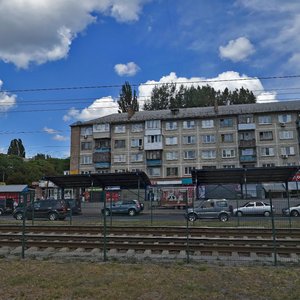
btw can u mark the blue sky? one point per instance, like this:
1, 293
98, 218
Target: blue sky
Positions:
47, 46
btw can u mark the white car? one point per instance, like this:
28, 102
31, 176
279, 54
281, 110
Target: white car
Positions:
253, 208
293, 211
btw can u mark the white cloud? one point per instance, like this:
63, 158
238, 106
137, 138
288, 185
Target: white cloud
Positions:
7, 100
230, 79
60, 138
237, 50
49, 130
56, 136
39, 31
129, 69
266, 97
99, 108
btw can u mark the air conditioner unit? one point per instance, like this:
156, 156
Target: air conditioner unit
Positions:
284, 156
85, 137
282, 124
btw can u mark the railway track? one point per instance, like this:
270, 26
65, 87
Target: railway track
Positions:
169, 242
243, 232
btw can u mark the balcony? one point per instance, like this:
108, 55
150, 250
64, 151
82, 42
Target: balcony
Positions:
153, 162
247, 143
248, 158
102, 165
101, 157
248, 126
102, 150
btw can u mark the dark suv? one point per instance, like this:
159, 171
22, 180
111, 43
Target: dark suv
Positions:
129, 207
45, 209
210, 209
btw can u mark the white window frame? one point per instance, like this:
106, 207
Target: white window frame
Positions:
119, 158
138, 127
172, 155
207, 123
153, 124
187, 170
264, 120
86, 131
286, 135
137, 157
290, 150
136, 142
189, 140
171, 140
285, 118
267, 151
228, 153
189, 154
101, 127
153, 139
120, 129
171, 125
154, 172
208, 139
189, 124
86, 160
208, 154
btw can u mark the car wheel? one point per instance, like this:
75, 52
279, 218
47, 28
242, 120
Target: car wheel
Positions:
19, 216
1, 212
131, 212
267, 214
239, 214
294, 213
192, 217
52, 216
223, 217
106, 212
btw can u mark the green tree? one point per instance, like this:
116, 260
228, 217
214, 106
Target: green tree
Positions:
16, 148
128, 99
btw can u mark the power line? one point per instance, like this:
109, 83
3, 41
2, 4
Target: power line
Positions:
149, 84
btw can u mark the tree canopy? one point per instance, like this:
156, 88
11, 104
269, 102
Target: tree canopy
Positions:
16, 148
168, 96
128, 99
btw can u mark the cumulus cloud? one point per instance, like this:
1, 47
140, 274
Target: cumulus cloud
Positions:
99, 108
55, 135
237, 50
230, 79
7, 100
41, 31
129, 69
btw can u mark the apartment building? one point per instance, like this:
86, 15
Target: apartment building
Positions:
168, 144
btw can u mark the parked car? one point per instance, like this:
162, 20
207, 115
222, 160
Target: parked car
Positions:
253, 208
75, 205
6, 206
210, 209
293, 211
49, 209
129, 207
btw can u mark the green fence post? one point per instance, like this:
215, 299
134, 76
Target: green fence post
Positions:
187, 231
273, 230
24, 225
104, 226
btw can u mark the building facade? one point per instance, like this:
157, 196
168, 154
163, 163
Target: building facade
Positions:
168, 144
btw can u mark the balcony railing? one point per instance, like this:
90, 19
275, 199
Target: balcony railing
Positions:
248, 126
248, 158
247, 143
102, 165
153, 162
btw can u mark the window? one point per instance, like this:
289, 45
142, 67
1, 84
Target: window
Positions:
153, 171
228, 153
208, 154
151, 139
101, 127
267, 151
266, 135
286, 135
86, 131
86, 159
120, 129
190, 154
227, 138
102, 143
153, 124
86, 146
173, 171
207, 123
171, 125
154, 154
268, 165
138, 157
208, 139
190, 139
246, 119
264, 120
248, 151
171, 140
188, 124
172, 155
228, 122
187, 170
135, 143
287, 151
228, 166
247, 136
119, 144
137, 127
284, 118
119, 158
